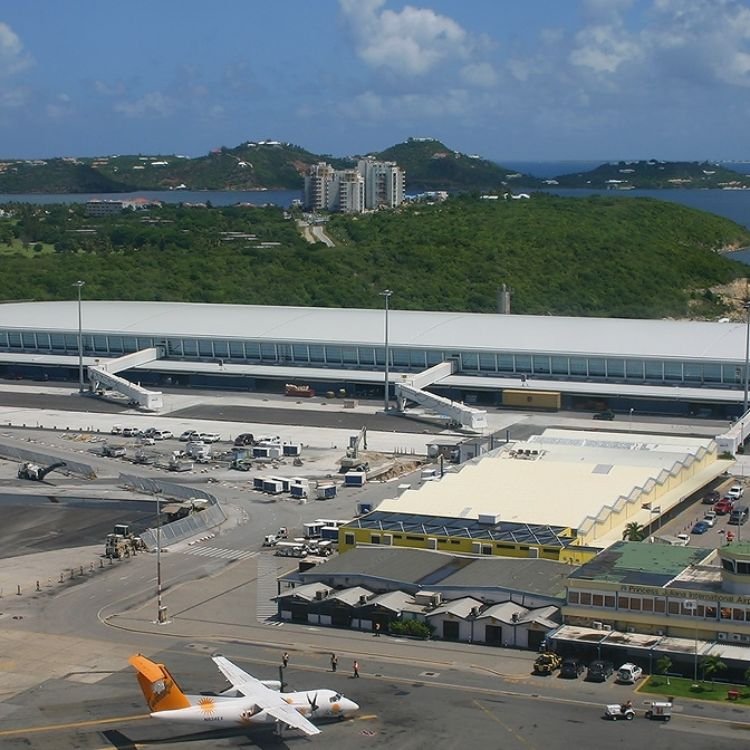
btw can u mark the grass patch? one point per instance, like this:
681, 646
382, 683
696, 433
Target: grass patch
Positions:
16, 248
679, 687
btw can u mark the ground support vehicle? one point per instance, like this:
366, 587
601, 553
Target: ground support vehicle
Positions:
546, 663
122, 542
34, 472
660, 710
617, 711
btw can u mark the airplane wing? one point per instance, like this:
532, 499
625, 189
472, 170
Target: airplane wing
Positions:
269, 700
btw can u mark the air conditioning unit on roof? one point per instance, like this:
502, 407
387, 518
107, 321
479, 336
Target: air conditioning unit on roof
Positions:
606, 627
735, 637
721, 636
596, 625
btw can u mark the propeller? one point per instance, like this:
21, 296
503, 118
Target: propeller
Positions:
313, 703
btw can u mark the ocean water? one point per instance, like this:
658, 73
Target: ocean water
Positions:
732, 204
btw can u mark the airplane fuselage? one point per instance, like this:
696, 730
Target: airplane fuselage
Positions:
216, 709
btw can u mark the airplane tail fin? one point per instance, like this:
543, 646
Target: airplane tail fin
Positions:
161, 691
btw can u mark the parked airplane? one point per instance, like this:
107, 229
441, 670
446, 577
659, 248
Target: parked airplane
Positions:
247, 701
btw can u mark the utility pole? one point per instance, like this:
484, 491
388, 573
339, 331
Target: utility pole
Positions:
80, 284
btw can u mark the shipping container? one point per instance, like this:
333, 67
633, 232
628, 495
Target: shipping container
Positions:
273, 486
258, 483
528, 399
291, 449
355, 479
326, 491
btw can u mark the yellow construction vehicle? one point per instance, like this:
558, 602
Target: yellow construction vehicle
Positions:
546, 663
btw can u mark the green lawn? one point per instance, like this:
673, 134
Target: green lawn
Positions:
679, 687
16, 247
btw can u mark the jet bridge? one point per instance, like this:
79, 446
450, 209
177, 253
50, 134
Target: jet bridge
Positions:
410, 388
103, 375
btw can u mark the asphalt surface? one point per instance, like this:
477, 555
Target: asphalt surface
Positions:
47, 522
61, 402
306, 418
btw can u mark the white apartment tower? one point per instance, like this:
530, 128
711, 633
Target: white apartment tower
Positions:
372, 185
318, 182
385, 182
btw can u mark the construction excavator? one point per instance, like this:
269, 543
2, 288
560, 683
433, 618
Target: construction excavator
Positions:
36, 473
353, 461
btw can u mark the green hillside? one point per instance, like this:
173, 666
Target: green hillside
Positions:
599, 256
653, 174
430, 165
261, 165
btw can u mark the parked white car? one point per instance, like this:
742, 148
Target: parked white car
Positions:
629, 673
161, 434
736, 491
210, 437
684, 539
190, 435
709, 517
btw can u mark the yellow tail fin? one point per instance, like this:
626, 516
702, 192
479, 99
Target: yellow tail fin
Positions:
160, 689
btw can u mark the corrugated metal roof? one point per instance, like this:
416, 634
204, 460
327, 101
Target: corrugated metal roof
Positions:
440, 330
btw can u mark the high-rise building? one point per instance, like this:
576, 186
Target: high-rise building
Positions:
385, 183
371, 185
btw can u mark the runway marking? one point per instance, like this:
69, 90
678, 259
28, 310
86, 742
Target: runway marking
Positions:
221, 553
512, 732
72, 725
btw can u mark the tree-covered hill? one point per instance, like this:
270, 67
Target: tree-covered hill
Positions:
653, 174
253, 165
431, 165
599, 256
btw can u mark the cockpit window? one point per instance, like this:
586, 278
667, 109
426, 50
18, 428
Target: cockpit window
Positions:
335, 698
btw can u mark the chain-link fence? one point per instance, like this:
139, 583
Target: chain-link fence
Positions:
192, 525
14, 453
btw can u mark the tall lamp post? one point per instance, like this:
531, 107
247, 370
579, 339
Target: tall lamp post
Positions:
80, 284
746, 307
386, 293
161, 611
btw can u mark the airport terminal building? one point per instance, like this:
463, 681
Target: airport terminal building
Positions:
661, 366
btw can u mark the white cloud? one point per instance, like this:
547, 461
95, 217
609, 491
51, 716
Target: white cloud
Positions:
60, 107
603, 49
450, 102
153, 103
411, 41
12, 55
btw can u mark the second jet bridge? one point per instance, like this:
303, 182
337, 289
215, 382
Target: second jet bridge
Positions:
411, 389
103, 374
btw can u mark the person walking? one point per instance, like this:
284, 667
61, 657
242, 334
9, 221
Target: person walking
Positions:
285, 660
334, 662
355, 669
377, 629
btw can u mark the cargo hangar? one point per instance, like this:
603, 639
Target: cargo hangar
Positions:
585, 364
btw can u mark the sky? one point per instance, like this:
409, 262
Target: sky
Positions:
513, 80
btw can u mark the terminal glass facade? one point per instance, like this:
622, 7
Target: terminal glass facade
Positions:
411, 359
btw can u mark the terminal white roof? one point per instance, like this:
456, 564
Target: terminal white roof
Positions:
440, 330
574, 476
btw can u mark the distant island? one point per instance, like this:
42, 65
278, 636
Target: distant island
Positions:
273, 165
654, 175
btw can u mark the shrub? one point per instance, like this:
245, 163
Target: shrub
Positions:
411, 627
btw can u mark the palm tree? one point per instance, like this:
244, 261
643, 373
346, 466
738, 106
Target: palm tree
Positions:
747, 676
634, 532
663, 665
711, 665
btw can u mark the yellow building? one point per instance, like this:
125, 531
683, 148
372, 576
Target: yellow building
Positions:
563, 495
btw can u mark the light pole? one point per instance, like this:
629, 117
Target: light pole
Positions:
80, 284
631, 419
386, 293
746, 307
161, 611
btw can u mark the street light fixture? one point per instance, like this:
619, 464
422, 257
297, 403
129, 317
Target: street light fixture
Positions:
746, 307
386, 293
80, 284
161, 611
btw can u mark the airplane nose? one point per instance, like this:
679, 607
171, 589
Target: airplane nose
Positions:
350, 707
